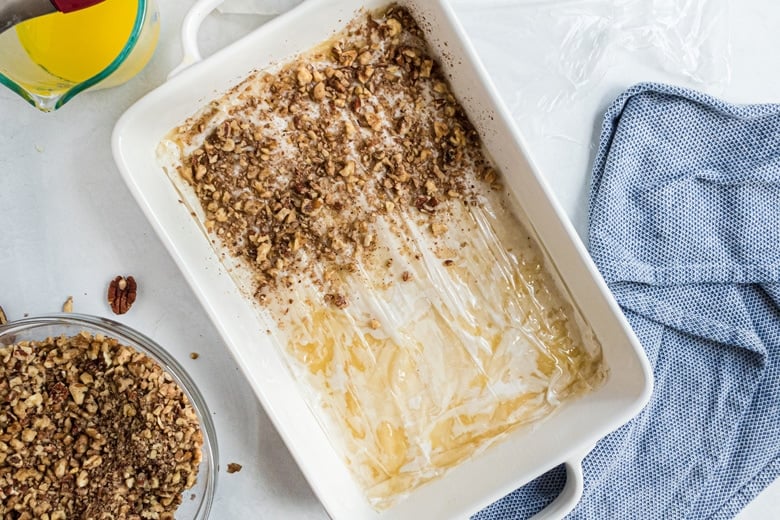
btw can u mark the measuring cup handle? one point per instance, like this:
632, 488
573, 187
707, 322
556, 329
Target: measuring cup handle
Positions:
68, 6
189, 33
570, 495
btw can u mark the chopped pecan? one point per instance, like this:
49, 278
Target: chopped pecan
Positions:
337, 299
58, 393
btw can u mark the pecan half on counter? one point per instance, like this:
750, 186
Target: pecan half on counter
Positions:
121, 294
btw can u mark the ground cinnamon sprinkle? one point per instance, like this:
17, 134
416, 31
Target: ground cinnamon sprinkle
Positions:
293, 179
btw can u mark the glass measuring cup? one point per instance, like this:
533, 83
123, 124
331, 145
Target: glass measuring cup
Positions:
49, 85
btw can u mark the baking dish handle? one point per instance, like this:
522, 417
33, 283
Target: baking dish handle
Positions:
570, 495
189, 33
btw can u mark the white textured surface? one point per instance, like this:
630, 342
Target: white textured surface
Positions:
69, 224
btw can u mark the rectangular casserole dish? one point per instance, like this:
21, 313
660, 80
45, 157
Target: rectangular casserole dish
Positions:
524, 454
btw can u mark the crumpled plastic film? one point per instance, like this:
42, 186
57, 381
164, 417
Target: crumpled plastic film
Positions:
562, 48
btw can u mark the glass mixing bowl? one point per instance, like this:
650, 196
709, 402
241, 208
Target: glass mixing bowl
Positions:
196, 502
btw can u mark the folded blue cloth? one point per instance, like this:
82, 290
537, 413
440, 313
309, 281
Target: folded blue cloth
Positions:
685, 228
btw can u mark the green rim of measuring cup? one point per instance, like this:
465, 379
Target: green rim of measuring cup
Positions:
97, 78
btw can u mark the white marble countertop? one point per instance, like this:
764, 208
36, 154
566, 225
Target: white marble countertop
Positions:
69, 224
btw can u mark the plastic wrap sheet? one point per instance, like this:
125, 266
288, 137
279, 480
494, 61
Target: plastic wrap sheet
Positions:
562, 48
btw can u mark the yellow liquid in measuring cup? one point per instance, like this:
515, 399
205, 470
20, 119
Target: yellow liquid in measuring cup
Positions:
78, 45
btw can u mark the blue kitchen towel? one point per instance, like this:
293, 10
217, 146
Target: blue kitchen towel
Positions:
685, 228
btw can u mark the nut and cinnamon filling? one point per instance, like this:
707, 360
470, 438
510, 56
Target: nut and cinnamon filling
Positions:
90, 428
296, 174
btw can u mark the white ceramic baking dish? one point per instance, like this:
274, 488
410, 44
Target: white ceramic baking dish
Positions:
563, 438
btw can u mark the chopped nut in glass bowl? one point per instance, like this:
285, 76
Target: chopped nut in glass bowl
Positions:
98, 421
